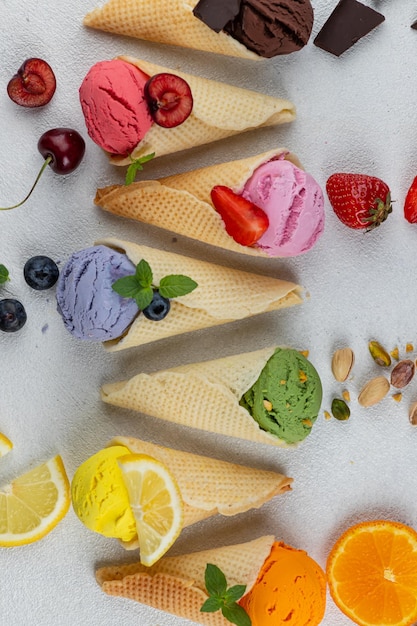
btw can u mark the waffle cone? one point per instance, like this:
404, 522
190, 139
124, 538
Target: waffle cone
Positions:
182, 204
223, 295
209, 486
200, 395
176, 584
165, 22
219, 111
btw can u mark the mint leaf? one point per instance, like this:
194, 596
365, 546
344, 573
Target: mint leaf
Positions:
127, 287
176, 285
235, 593
215, 580
144, 297
211, 605
135, 166
144, 274
224, 599
236, 614
4, 274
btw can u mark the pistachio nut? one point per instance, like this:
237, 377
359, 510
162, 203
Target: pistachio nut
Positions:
374, 391
402, 373
342, 363
340, 410
412, 414
379, 354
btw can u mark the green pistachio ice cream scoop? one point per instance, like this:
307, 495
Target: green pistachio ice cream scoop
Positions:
286, 398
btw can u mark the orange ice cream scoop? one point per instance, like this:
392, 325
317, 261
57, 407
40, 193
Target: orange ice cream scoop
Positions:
290, 590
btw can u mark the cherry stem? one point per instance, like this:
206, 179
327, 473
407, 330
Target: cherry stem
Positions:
45, 163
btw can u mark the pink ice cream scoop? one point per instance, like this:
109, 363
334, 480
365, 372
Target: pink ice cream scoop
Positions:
294, 204
115, 111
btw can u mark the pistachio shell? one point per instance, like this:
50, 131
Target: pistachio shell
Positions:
374, 391
342, 363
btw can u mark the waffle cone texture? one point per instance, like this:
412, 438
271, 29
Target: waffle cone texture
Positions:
176, 584
223, 295
165, 22
219, 111
209, 486
182, 204
199, 395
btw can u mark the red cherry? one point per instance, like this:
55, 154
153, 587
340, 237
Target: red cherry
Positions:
63, 149
169, 99
33, 85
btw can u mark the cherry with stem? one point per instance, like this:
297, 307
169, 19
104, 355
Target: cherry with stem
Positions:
63, 150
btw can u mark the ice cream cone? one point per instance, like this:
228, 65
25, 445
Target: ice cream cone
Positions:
209, 486
176, 584
223, 295
170, 22
219, 111
181, 203
200, 395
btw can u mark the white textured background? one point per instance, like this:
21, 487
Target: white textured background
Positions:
355, 113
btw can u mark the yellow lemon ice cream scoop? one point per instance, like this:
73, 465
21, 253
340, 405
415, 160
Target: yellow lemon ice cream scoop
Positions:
99, 495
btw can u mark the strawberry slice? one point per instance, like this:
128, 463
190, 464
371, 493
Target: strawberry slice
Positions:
169, 99
243, 220
410, 204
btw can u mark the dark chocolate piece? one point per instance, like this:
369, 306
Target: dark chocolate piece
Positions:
216, 13
350, 21
414, 25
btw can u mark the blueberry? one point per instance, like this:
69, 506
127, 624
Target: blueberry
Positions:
12, 315
40, 272
158, 308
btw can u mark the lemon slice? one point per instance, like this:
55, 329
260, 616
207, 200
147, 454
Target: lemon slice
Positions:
156, 503
32, 504
5, 445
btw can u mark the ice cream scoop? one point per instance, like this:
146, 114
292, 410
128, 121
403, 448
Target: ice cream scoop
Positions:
286, 398
252, 29
274, 181
284, 586
118, 104
92, 310
115, 110
207, 486
290, 590
99, 495
294, 204
270, 396
89, 306
272, 27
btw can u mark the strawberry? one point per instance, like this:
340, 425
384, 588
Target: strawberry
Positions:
359, 200
243, 220
410, 204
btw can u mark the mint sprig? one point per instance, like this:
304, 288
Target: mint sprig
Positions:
4, 274
135, 166
140, 287
222, 598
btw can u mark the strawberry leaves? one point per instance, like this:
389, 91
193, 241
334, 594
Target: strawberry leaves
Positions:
359, 201
224, 599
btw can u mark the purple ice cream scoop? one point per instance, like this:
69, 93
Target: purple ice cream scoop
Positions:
89, 306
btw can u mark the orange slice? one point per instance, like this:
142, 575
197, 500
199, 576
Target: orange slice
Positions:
372, 574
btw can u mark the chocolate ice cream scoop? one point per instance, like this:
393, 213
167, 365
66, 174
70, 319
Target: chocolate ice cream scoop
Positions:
266, 27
